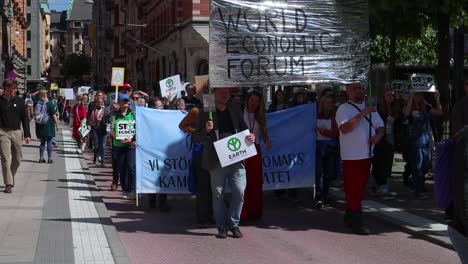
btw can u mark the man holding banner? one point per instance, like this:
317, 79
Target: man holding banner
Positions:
226, 121
360, 129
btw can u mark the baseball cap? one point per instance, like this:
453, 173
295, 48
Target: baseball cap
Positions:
123, 97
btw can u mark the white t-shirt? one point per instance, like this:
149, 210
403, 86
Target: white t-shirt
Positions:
323, 123
355, 144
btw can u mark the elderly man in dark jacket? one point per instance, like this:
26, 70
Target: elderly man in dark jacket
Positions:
226, 121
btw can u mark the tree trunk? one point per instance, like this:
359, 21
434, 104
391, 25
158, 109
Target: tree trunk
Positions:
392, 58
443, 67
458, 57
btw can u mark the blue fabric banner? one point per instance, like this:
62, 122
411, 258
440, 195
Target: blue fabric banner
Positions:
163, 153
291, 161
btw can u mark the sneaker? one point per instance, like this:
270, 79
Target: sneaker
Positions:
319, 205
50, 161
132, 196
236, 233
42, 161
100, 159
384, 189
222, 233
124, 195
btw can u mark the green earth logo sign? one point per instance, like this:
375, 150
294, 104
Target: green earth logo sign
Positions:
169, 83
234, 144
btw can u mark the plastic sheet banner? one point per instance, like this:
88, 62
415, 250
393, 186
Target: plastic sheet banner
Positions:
274, 42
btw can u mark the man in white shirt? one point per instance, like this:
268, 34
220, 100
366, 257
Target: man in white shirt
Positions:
360, 130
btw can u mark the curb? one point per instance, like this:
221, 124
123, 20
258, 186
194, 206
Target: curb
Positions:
118, 250
439, 238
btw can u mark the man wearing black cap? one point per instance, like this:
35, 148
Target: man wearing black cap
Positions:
12, 117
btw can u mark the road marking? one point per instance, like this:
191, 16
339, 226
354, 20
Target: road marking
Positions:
90, 244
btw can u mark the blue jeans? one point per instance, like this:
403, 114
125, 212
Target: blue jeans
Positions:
324, 170
420, 156
99, 141
125, 159
235, 176
45, 140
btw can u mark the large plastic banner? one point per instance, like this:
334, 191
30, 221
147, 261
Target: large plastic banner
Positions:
163, 154
276, 42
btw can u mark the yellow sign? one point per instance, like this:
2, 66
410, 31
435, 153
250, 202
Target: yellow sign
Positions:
53, 87
118, 75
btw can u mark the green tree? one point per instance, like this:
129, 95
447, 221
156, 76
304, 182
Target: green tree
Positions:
76, 65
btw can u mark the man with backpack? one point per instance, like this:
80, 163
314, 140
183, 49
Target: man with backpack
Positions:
12, 117
361, 128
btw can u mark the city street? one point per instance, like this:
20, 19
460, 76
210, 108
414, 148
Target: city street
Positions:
65, 213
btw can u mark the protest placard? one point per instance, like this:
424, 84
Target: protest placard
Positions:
83, 130
261, 42
423, 83
125, 129
209, 104
83, 90
117, 79
68, 93
400, 89
118, 75
234, 148
54, 87
111, 98
171, 86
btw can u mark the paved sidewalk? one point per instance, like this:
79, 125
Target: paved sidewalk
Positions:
50, 218
419, 217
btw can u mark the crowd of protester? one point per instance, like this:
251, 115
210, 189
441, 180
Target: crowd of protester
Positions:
354, 140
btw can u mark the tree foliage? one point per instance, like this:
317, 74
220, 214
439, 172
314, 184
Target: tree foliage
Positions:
415, 50
76, 65
413, 24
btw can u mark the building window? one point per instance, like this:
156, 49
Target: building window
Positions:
50, 59
77, 24
29, 52
29, 69
77, 47
28, 2
77, 35
28, 35
28, 18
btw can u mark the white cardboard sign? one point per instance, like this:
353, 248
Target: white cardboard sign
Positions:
83, 90
234, 148
171, 85
68, 93
400, 88
125, 129
423, 83
83, 129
